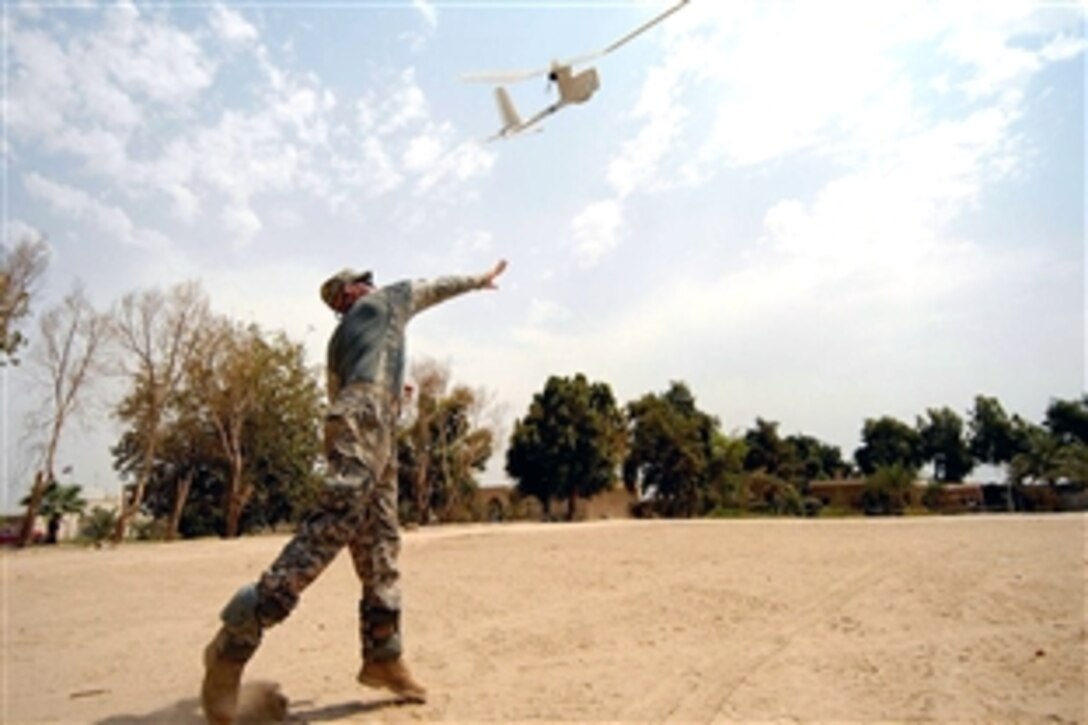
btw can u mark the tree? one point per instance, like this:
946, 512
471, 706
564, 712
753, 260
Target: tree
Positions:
887, 441
186, 459
672, 446
725, 481
462, 446
98, 525
439, 453
158, 335
944, 443
569, 444
240, 438
815, 459
20, 270
1068, 420
283, 439
886, 489
991, 436
414, 443
263, 406
766, 449
73, 336
57, 501
1039, 458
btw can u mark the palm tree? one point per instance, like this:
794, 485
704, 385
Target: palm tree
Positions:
58, 500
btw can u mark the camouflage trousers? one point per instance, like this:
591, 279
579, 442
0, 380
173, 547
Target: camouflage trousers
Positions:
357, 508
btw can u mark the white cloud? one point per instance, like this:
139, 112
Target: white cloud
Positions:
139, 101
451, 171
596, 230
428, 11
405, 105
241, 223
231, 27
422, 152
379, 173
544, 312
80, 205
474, 242
798, 79
186, 204
150, 57
17, 231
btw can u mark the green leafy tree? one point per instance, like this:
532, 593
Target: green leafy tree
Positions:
569, 444
1073, 463
725, 485
1068, 420
283, 435
441, 453
463, 447
158, 333
991, 433
57, 502
887, 441
671, 449
887, 488
415, 441
1039, 458
241, 437
766, 449
796, 458
811, 459
771, 494
945, 445
98, 525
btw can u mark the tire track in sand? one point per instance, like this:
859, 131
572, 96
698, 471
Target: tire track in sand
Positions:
713, 680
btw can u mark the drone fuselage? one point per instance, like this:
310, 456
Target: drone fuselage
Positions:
575, 87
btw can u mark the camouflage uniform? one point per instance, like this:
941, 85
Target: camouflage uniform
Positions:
358, 506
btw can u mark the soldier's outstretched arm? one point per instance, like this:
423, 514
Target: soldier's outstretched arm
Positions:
427, 293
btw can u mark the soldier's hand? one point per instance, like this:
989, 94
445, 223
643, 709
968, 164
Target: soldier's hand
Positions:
489, 277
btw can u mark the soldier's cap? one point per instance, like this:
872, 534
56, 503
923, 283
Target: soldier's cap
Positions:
332, 287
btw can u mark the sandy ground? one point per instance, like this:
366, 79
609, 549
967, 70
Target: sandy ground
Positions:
939, 619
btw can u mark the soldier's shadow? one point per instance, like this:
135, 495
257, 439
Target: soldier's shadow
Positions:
182, 712
187, 712
342, 710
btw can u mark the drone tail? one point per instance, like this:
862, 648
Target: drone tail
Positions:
511, 121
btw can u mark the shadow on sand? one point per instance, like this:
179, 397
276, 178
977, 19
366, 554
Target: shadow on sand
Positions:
187, 712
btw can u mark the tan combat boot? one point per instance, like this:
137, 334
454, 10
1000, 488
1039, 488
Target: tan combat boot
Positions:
222, 677
392, 675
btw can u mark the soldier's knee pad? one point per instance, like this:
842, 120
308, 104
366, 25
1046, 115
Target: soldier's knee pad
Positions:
240, 614
241, 632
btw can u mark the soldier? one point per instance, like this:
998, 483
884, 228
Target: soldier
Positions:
358, 505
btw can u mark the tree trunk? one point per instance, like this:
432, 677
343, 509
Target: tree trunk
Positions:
238, 495
423, 493
128, 510
26, 532
181, 495
52, 529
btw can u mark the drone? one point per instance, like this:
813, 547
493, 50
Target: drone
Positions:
574, 87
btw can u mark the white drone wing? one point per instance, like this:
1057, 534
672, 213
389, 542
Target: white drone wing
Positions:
511, 76
630, 36
520, 75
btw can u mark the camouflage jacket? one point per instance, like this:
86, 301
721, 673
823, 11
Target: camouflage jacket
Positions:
368, 345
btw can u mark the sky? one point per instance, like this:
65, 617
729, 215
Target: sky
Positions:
811, 212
